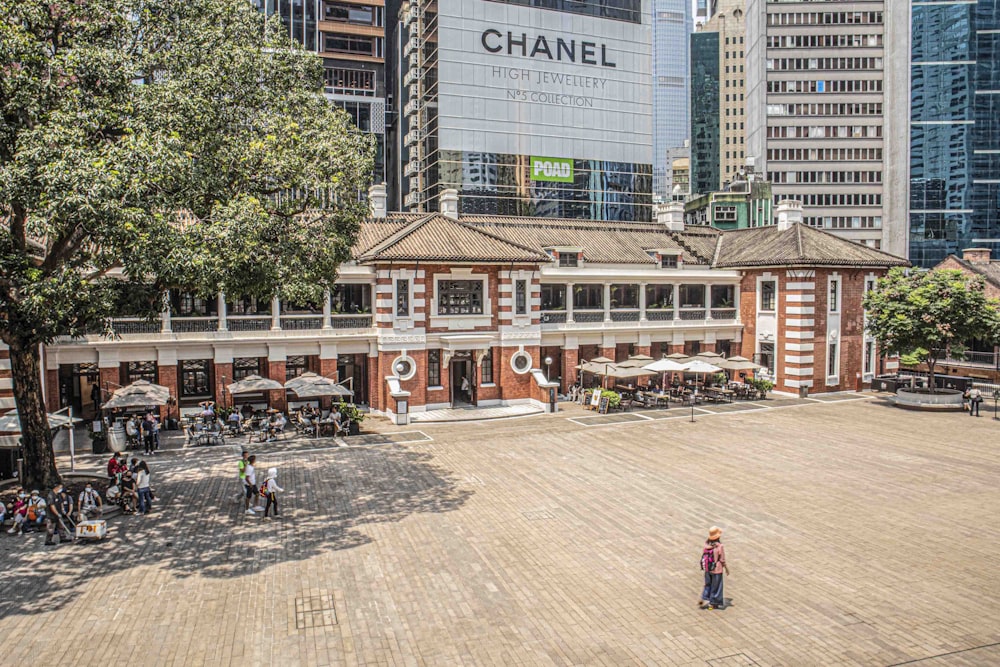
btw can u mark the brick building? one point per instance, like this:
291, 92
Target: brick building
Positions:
439, 309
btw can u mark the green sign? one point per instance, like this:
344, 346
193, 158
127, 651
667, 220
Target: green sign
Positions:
552, 169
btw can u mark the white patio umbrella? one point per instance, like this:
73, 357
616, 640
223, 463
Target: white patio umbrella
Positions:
253, 384
699, 367
628, 372
139, 394
664, 366
678, 356
311, 385
11, 422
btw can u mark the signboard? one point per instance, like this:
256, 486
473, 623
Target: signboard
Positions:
551, 169
605, 402
518, 80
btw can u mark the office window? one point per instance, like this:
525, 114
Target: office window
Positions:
568, 259
295, 366
766, 357
869, 363
834, 296
195, 378
403, 298
460, 297
487, 368
433, 368
768, 291
553, 297
520, 297
244, 366
832, 361
140, 370
588, 297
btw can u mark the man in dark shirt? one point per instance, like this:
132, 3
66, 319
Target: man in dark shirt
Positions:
129, 494
57, 518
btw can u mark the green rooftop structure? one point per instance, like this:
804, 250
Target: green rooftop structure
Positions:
745, 203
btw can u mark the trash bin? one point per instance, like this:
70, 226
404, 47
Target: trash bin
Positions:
803, 392
115, 441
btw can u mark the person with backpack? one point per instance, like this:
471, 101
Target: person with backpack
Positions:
60, 505
713, 564
89, 504
269, 489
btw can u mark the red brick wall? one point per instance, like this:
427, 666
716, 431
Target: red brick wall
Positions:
223, 378
570, 360
514, 385
276, 398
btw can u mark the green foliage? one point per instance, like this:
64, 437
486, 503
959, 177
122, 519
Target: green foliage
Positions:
926, 315
761, 385
352, 412
156, 144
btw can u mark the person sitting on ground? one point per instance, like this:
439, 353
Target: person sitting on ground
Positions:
19, 512
89, 505
35, 516
128, 496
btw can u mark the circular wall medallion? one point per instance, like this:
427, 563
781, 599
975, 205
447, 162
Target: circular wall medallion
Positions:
521, 362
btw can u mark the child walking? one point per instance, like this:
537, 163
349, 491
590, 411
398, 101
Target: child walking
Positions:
270, 490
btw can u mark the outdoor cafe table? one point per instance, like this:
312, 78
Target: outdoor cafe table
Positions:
658, 398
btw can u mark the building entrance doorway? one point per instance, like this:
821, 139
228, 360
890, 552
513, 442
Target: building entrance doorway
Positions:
463, 380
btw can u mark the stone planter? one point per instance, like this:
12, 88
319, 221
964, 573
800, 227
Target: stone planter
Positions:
942, 399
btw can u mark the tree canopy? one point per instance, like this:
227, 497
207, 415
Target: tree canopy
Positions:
156, 144
928, 315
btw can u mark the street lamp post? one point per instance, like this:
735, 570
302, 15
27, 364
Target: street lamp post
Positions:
548, 362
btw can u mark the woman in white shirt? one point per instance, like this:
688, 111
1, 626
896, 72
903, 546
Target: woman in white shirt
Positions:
142, 484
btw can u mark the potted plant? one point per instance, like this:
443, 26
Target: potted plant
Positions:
350, 412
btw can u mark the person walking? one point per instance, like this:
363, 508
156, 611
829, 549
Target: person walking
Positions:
270, 490
242, 479
975, 398
713, 563
251, 485
142, 484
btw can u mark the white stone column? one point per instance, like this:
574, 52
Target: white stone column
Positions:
223, 313
327, 324
642, 302
275, 313
708, 302
165, 314
569, 302
607, 302
677, 301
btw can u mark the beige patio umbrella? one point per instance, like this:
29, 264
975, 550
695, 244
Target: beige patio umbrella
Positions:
738, 363
11, 422
311, 385
253, 384
636, 361
664, 366
676, 356
139, 394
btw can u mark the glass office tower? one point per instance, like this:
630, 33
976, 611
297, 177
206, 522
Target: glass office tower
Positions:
672, 26
954, 129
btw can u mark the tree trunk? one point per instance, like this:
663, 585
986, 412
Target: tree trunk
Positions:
931, 384
39, 460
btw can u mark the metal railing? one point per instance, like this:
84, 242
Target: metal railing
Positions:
124, 326
553, 317
692, 313
660, 315
588, 316
975, 358
248, 323
624, 315
723, 313
351, 321
194, 324
301, 322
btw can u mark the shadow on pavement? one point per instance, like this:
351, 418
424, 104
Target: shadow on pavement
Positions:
198, 527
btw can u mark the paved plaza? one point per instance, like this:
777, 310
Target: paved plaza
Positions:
856, 533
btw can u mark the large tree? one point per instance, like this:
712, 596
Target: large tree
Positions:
156, 144
926, 316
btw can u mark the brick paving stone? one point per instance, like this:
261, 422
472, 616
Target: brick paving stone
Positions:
547, 541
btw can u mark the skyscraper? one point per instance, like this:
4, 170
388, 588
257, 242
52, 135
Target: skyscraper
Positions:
821, 108
672, 25
350, 36
718, 138
954, 129
527, 107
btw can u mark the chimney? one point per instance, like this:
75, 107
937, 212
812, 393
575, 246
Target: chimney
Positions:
449, 203
670, 215
377, 200
789, 213
976, 255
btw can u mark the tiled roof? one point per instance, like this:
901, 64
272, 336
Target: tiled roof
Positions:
799, 245
434, 237
991, 271
602, 242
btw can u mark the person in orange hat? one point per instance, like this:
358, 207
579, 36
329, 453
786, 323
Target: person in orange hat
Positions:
713, 564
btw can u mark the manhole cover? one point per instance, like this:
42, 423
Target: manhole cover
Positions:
316, 611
